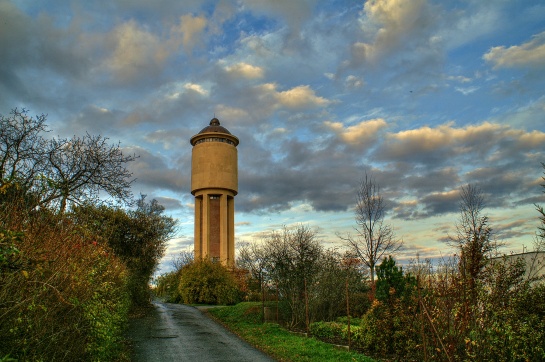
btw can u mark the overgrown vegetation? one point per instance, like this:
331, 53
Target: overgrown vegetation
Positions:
70, 267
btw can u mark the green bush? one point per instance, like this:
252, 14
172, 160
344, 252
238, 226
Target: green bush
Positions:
63, 295
328, 331
167, 287
106, 312
204, 282
337, 332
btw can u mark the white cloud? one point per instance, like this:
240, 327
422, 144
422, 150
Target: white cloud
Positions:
531, 53
137, 51
245, 70
389, 21
358, 134
196, 88
191, 28
300, 97
353, 81
467, 24
466, 90
447, 142
459, 78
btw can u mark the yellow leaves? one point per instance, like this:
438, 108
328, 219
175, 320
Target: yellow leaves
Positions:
25, 273
4, 188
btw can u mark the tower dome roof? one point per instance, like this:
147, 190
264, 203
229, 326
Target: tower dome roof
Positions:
214, 127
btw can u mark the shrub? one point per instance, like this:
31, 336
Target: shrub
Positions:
167, 287
337, 332
63, 295
205, 282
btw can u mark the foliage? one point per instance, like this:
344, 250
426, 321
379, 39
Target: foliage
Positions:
392, 282
337, 333
138, 237
388, 325
430, 323
68, 279
473, 239
66, 298
9, 253
254, 258
291, 265
329, 292
292, 257
205, 282
167, 286
511, 325
167, 283
245, 320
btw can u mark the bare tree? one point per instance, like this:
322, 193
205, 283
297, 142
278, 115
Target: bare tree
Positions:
182, 259
374, 238
80, 168
473, 236
22, 147
254, 258
540, 241
60, 171
293, 262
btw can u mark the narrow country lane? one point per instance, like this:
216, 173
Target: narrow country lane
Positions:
174, 332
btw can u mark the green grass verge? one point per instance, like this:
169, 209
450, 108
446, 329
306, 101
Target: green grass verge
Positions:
245, 320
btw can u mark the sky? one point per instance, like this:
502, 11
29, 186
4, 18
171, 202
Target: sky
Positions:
424, 96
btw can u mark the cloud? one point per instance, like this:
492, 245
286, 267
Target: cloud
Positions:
136, 52
170, 103
245, 70
196, 88
359, 134
170, 139
437, 203
440, 144
353, 82
94, 120
300, 97
191, 28
297, 98
529, 54
388, 23
465, 25
169, 203
152, 171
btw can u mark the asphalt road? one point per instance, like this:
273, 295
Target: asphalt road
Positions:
174, 332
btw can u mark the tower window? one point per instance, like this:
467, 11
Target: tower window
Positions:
215, 139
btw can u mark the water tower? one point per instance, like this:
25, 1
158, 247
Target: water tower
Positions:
214, 183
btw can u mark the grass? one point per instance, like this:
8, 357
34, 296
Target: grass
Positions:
245, 320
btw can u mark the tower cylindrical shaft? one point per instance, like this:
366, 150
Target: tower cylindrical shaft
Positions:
214, 183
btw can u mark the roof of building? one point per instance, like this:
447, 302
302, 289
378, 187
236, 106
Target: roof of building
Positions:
214, 127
